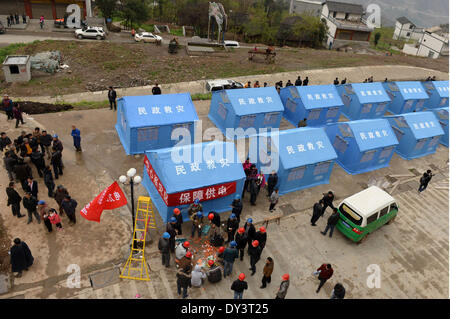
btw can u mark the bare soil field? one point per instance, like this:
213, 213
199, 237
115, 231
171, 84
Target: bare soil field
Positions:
94, 65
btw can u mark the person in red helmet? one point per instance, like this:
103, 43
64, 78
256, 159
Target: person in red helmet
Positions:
214, 217
238, 286
255, 254
214, 273
261, 237
282, 291
220, 255
186, 261
181, 250
179, 217
241, 241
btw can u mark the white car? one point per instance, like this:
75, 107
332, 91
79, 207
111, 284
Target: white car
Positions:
231, 44
147, 37
217, 85
90, 33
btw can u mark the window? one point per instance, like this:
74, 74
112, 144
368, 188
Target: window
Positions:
408, 105
408, 34
384, 211
420, 144
334, 14
314, 114
367, 156
332, 112
294, 92
346, 99
345, 130
340, 144
224, 97
393, 207
291, 105
346, 16
14, 69
222, 111
366, 108
271, 118
247, 121
124, 121
321, 168
434, 141
372, 218
296, 173
381, 107
398, 133
386, 152
350, 214
186, 126
147, 134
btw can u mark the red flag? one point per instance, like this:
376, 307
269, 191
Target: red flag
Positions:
110, 198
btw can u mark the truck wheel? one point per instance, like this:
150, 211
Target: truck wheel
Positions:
362, 239
80, 36
391, 220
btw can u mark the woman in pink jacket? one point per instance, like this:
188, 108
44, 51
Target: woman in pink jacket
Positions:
55, 219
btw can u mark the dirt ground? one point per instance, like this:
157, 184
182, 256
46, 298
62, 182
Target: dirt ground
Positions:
39, 108
96, 65
5, 244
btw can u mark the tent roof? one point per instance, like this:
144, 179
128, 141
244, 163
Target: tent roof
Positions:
412, 90
345, 7
254, 100
372, 134
217, 172
314, 141
404, 20
370, 92
318, 96
157, 110
423, 124
441, 87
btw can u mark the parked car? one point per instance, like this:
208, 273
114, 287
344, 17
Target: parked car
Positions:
90, 33
217, 85
2, 28
147, 37
365, 212
231, 44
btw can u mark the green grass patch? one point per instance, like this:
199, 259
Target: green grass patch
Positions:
10, 50
89, 105
201, 96
148, 27
177, 32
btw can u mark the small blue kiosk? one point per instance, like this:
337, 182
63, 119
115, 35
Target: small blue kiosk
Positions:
364, 100
418, 133
319, 104
362, 146
303, 157
210, 172
245, 108
147, 122
438, 92
406, 96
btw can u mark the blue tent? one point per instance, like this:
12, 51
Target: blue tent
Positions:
303, 157
364, 100
363, 145
408, 96
245, 108
418, 133
210, 172
319, 104
442, 115
147, 122
438, 92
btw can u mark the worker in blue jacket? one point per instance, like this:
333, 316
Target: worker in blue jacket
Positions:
76, 138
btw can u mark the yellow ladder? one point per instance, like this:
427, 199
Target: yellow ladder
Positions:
136, 263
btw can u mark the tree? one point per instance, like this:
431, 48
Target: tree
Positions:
134, 11
377, 38
107, 7
195, 13
309, 29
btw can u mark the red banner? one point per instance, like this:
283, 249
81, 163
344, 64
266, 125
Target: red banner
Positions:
188, 197
110, 198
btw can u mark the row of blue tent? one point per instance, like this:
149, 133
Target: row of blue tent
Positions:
145, 124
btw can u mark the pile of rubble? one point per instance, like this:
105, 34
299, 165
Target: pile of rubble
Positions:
49, 61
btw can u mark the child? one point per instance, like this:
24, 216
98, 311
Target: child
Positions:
55, 219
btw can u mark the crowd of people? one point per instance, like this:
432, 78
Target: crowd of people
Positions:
15, 19
44, 152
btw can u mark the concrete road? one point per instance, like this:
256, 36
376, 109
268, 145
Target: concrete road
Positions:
410, 252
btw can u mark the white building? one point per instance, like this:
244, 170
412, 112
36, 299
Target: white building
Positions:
405, 29
305, 6
345, 23
432, 44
